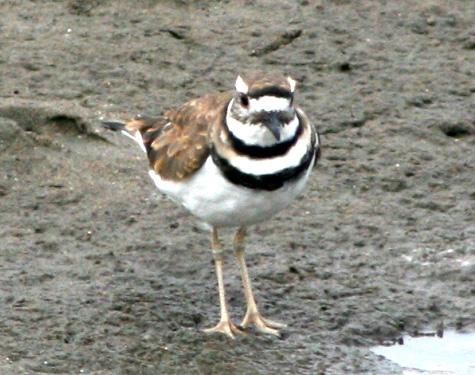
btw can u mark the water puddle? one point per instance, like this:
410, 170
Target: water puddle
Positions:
450, 353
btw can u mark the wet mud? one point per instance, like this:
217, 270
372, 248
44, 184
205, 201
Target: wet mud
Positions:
100, 274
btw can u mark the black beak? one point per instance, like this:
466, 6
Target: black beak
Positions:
272, 123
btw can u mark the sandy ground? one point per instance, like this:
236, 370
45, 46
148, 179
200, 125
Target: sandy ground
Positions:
100, 274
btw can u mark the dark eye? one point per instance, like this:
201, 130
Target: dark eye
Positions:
244, 100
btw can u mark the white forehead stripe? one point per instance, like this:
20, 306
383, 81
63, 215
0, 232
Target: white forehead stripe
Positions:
269, 103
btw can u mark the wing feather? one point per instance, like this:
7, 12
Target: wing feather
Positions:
177, 144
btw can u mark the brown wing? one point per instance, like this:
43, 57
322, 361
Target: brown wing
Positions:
177, 143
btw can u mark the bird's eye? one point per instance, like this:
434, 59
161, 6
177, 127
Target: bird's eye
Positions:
244, 100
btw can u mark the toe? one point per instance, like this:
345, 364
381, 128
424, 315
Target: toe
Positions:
226, 327
273, 324
267, 330
261, 324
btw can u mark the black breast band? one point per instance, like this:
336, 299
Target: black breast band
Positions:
267, 182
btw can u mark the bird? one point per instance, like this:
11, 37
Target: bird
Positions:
232, 159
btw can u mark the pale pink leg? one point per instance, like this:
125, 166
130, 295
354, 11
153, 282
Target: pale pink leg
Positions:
253, 315
225, 324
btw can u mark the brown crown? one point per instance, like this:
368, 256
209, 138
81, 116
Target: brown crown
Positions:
260, 84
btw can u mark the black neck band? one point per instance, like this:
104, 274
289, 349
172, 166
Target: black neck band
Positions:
267, 182
263, 152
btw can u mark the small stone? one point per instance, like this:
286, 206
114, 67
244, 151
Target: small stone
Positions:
431, 21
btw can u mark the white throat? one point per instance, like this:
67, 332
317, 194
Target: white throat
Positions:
258, 134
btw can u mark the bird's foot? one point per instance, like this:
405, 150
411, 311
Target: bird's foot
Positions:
261, 324
225, 326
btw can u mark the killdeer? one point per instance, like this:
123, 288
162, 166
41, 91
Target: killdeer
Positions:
232, 159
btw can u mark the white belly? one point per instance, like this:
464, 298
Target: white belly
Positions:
211, 198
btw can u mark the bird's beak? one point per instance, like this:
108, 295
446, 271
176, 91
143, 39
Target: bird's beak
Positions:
273, 124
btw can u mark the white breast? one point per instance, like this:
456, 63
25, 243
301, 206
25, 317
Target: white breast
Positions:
211, 198
291, 159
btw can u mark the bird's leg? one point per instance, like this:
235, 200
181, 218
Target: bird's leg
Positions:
225, 324
253, 315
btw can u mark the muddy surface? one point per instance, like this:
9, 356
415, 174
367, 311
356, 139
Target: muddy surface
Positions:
100, 274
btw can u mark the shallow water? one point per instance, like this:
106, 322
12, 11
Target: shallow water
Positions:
454, 353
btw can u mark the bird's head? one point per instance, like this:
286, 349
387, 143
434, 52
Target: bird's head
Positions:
262, 110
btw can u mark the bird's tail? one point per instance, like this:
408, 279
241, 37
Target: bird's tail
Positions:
113, 125
141, 129
128, 130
